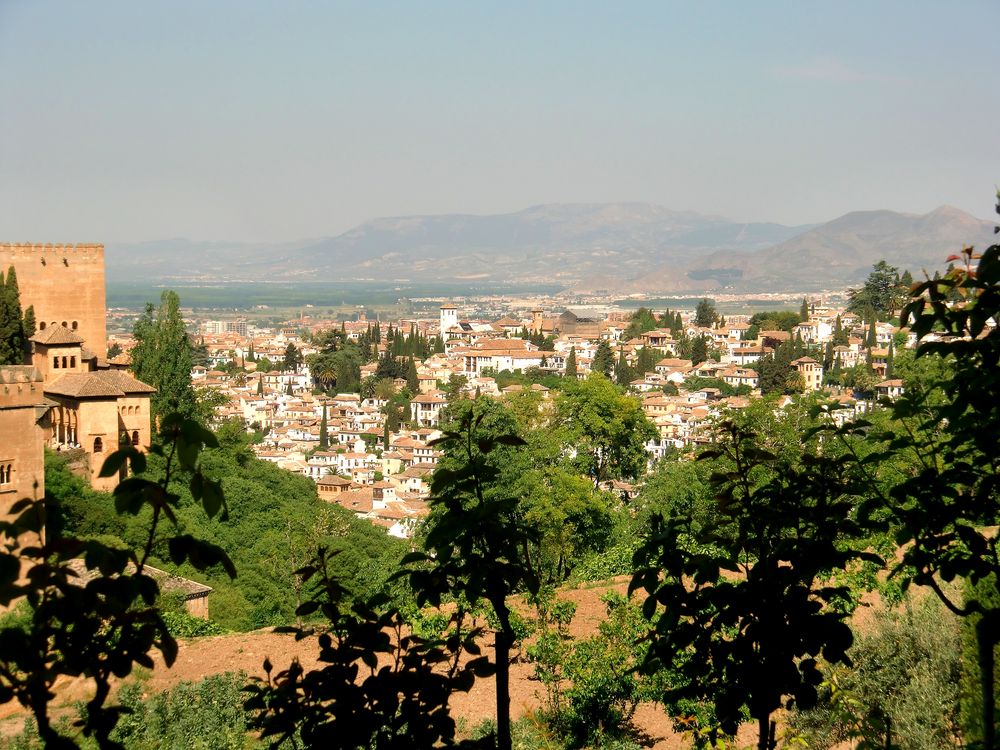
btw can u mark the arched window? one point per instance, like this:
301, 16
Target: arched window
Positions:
4, 474
64, 362
55, 363
135, 438
98, 445
42, 326
64, 324
75, 325
72, 361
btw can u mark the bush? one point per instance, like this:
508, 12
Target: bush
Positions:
904, 682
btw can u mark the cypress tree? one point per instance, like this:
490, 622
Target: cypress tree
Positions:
324, 438
13, 342
571, 363
623, 373
890, 357
804, 310
260, 385
412, 380
603, 359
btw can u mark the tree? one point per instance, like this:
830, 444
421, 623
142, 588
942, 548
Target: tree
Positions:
884, 292
13, 323
804, 311
840, 336
162, 357
114, 350
748, 641
623, 372
571, 363
699, 350
946, 508
775, 372
101, 625
292, 358
705, 314
412, 378
641, 320
474, 547
324, 437
607, 430
603, 359
378, 686
646, 361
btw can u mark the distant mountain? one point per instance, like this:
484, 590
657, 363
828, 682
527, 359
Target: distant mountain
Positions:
586, 247
842, 252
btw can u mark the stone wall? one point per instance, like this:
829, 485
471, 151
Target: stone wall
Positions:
21, 435
65, 284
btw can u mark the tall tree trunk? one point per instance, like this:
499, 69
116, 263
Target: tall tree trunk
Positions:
504, 639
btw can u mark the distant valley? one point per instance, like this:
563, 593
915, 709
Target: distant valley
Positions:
618, 247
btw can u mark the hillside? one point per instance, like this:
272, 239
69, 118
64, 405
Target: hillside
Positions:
842, 252
585, 247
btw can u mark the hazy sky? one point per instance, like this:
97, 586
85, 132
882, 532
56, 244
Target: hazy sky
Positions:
216, 119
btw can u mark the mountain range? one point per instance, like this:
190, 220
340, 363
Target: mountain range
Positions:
621, 247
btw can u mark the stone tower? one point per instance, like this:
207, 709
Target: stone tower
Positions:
65, 284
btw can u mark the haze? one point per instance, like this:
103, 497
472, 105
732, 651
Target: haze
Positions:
270, 121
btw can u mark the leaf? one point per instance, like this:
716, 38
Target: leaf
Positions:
212, 498
113, 463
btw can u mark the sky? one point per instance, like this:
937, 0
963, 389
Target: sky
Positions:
268, 121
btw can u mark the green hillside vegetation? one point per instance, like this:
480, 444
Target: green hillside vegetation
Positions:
275, 521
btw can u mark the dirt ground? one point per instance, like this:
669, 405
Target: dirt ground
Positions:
200, 657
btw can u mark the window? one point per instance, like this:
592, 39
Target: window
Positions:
42, 326
72, 361
55, 363
135, 438
64, 324
5, 470
64, 362
75, 325
98, 445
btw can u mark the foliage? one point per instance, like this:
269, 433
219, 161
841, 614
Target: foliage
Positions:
696, 383
607, 430
775, 320
944, 510
275, 521
571, 363
476, 543
604, 360
378, 686
901, 690
204, 715
162, 358
746, 610
705, 314
640, 321
16, 326
884, 292
103, 625
986, 593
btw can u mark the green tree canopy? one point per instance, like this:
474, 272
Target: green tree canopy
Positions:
705, 313
883, 293
162, 357
607, 430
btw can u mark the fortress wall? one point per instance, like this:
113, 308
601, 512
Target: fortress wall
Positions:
64, 283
